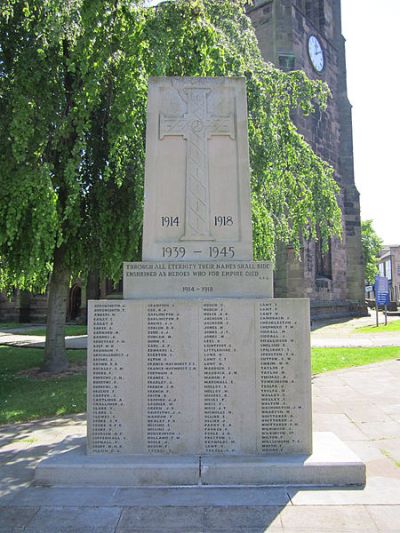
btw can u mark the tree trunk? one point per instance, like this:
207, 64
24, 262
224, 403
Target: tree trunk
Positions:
55, 355
93, 285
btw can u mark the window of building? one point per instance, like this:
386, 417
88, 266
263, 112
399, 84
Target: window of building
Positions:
388, 269
314, 10
287, 62
323, 266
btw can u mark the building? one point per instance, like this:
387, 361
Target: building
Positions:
306, 35
389, 266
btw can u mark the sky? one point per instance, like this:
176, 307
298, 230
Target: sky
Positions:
371, 30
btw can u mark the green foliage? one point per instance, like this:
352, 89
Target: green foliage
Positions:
371, 247
326, 359
24, 398
73, 89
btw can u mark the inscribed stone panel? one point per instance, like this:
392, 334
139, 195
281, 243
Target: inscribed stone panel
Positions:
114, 402
183, 279
171, 370
283, 376
221, 376
197, 188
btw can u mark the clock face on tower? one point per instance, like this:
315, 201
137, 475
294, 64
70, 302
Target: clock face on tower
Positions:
316, 53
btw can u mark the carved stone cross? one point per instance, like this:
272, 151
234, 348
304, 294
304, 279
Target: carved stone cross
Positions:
197, 126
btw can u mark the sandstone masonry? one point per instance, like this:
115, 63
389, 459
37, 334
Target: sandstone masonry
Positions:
334, 282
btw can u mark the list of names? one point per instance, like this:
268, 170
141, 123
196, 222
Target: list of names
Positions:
199, 376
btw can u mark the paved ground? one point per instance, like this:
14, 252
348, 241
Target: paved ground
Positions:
361, 405
346, 333
16, 337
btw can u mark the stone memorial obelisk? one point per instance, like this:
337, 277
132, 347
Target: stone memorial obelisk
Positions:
205, 361
198, 374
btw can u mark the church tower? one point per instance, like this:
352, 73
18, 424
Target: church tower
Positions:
307, 35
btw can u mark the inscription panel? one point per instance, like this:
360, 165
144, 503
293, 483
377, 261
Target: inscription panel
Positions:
222, 376
227, 411
197, 280
284, 409
114, 377
197, 185
171, 378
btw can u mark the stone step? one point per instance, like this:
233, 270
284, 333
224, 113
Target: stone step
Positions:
332, 463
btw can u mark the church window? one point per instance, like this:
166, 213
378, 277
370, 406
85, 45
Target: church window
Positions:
323, 260
314, 10
287, 62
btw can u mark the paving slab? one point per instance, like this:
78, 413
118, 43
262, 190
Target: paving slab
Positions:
77, 342
378, 491
202, 496
391, 448
75, 519
201, 518
386, 517
367, 451
383, 467
339, 424
14, 519
328, 518
65, 496
375, 430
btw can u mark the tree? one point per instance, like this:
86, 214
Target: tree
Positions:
371, 247
73, 84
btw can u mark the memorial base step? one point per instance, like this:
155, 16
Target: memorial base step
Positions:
331, 464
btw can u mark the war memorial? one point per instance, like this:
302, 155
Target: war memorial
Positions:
199, 375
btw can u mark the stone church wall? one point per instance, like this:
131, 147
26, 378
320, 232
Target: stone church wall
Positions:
333, 283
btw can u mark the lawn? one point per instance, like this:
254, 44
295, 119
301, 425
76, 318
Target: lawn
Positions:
24, 396
70, 331
326, 359
10, 325
394, 325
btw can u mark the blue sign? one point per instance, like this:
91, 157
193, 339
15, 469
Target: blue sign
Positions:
382, 290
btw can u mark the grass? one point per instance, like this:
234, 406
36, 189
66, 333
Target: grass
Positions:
72, 330
24, 398
394, 325
327, 359
389, 456
10, 325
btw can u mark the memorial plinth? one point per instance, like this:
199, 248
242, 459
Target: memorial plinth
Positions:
199, 375
221, 376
